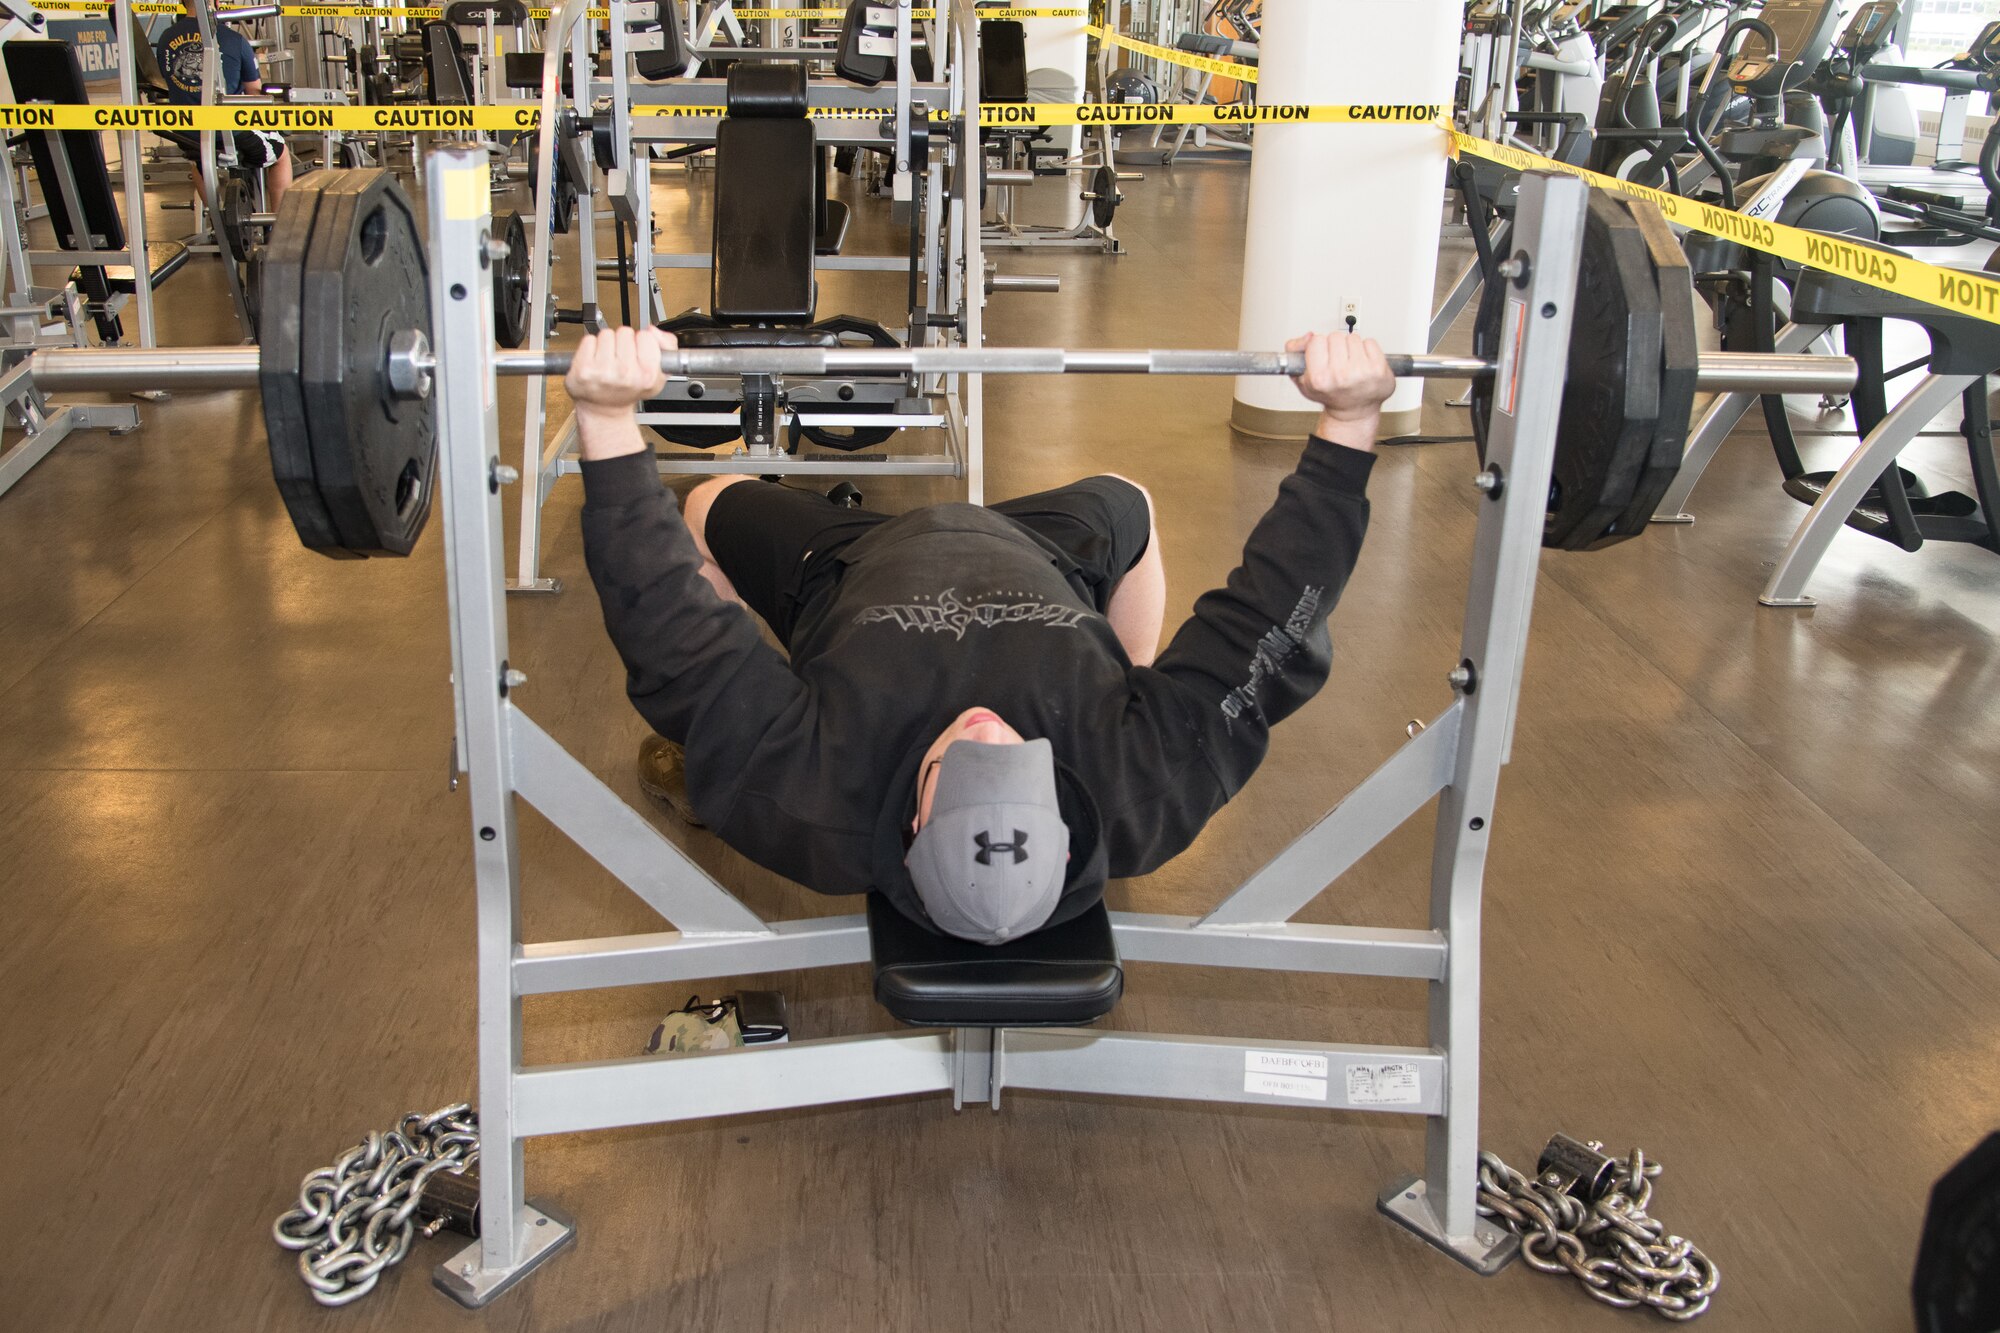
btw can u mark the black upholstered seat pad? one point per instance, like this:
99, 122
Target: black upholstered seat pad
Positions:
1065, 975
765, 221
754, 337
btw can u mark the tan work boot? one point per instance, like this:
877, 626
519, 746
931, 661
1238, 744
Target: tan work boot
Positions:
663, 776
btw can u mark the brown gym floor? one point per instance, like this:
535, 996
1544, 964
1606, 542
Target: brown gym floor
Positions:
1740, 908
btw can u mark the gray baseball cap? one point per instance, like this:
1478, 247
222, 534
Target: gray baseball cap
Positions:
989, 863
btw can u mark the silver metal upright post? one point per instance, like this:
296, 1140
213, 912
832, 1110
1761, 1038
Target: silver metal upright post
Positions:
126, 39
566, 27
213, 160
514, 1237
966, 278
1441, 1205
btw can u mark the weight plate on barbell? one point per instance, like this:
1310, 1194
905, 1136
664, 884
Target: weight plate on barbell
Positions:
1680, 368
1611, 391
510, 281
366, 280
279, 335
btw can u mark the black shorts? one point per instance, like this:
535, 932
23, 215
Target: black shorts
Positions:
258, 148
777, 543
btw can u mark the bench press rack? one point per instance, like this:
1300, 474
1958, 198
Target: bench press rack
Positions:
951, 250
1456, 758
362, 469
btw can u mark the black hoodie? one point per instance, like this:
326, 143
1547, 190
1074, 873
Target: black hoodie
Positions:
809, 766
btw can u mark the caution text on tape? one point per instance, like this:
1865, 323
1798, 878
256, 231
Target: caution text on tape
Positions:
1139, 113
274, 119
437, 11
316, 119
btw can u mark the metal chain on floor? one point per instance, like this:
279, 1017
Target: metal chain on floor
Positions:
358, 1217
1584, 1213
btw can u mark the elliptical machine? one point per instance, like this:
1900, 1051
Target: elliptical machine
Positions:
1749, 290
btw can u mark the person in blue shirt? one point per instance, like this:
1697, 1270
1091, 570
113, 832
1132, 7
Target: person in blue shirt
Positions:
180, 53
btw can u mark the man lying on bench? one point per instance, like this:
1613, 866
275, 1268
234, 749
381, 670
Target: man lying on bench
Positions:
972, 720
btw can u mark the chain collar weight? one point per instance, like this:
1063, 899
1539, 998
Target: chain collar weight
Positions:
1584, 1213
360, 1215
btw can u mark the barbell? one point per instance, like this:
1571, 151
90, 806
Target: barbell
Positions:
346, 367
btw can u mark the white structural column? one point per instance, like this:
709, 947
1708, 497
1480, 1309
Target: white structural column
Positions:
1057, 52
1344, 216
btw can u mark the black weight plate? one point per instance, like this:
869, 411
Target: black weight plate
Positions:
251, 275
1611, 395
1487, 325
278, 379
1104, 184
1680, 366
232, 219
692, 437
1956, 1286
853, 331
366, 279
510, 281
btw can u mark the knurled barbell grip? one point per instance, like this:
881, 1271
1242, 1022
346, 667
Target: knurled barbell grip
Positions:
120, 369
1720, 371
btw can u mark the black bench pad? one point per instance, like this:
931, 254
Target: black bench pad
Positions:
756, 337
166, 257
1059, 977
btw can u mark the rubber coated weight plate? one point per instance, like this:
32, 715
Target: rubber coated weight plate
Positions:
366, 280
1680, 366
693, 437
278, 368
1956, 1287
852, 331
252, 277
1104, 184
510, 281
232, 219
1611, 395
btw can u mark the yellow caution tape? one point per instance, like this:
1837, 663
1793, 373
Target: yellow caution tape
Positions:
983, 15
1228, 69
270, 118
1137, 113
307, 119
437, 11
99, 7
289, 11
1973, 294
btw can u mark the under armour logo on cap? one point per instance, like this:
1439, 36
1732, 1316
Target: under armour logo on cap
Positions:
974, 880
1019, 847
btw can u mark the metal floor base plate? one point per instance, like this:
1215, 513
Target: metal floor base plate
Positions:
1489, 1249
462, 1279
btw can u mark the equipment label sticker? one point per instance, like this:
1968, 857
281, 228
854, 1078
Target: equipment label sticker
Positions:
1383, 1085
1282, 1085
1301, 1063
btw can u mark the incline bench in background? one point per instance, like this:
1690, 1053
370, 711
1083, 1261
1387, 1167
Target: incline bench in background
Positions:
764, 291
76, 183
